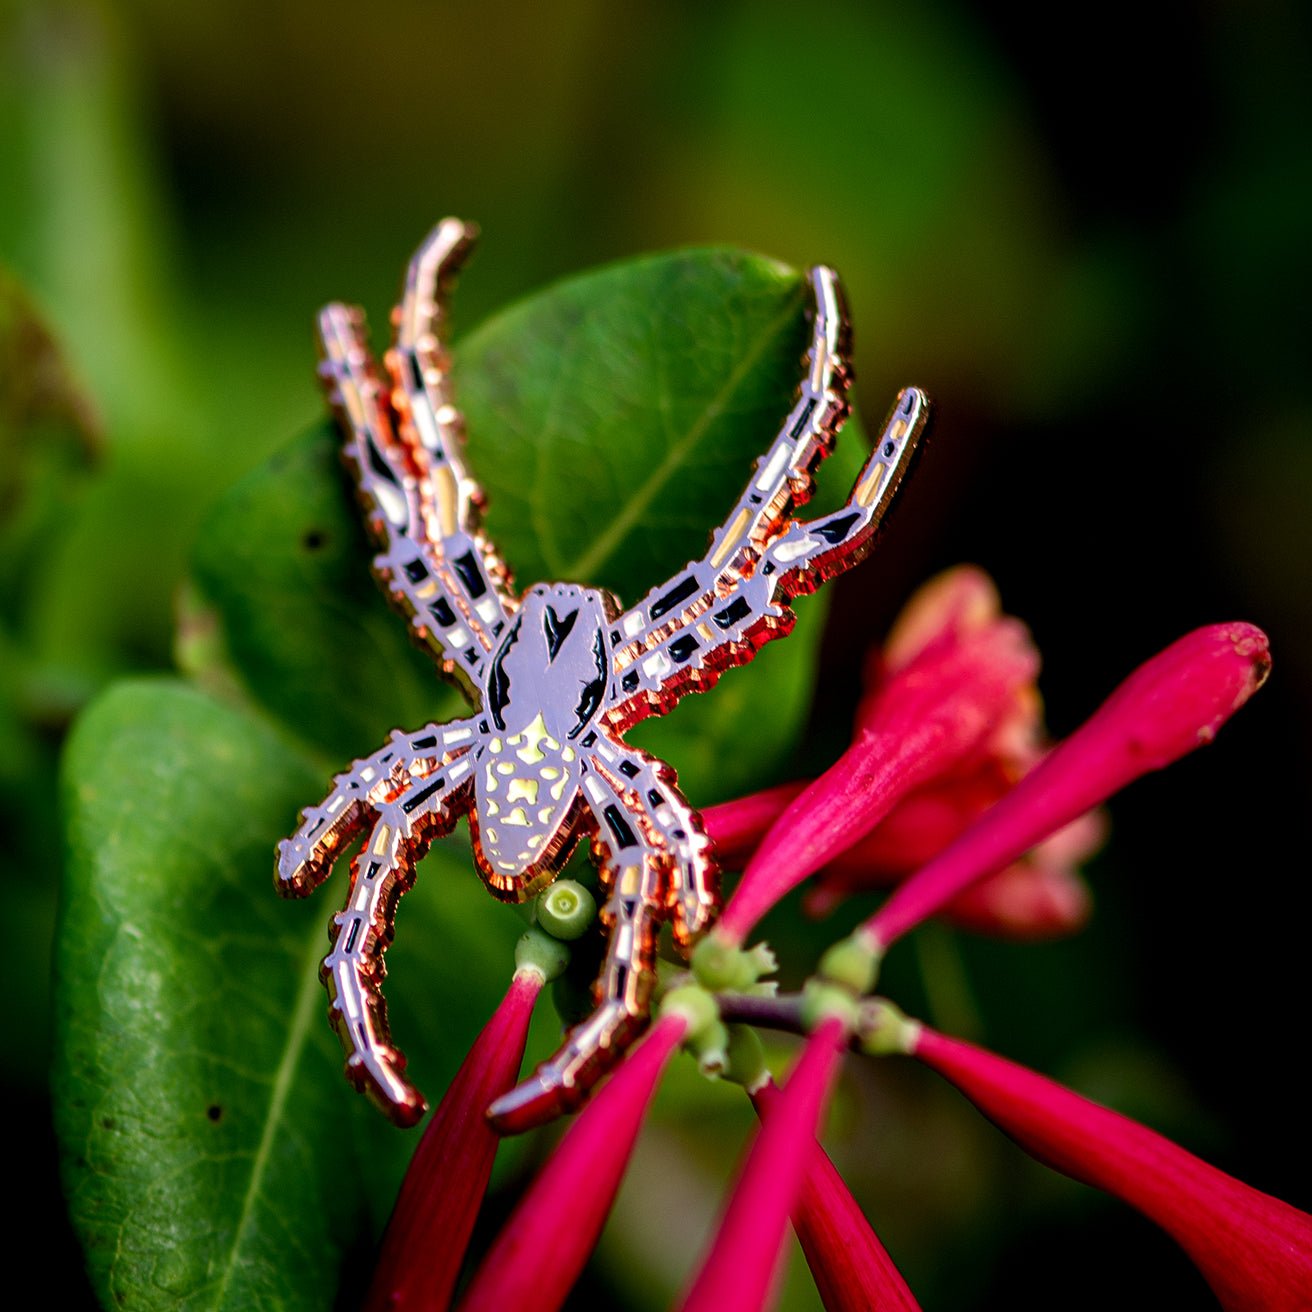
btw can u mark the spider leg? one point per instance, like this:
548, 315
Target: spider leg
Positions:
306, 859
432, 426
636, 872
752, 608
441, 584
649, 788
782, 480
353, 971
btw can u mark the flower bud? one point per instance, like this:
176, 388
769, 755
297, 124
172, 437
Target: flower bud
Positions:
538, 951
566, 910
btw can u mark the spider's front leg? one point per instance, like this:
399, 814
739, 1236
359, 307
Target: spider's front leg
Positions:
413, 789
750, 608
656, 864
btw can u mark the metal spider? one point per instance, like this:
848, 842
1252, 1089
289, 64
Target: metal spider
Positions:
557, 676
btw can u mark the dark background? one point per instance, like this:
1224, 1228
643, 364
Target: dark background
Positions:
1087, 237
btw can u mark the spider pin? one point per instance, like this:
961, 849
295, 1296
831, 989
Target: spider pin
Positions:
557, 676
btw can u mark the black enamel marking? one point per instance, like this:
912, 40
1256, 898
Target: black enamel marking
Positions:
839, 529
352, 936
441, 611
314, 828
679, 834
498, 685
557, 628
630, 681
683, 647
415, 570
430, 741
379, 465
654, 797
615, 637
736, 610
593, 689
768, 567
628, 769
416, 800
804, 418
469, 653
619, 827
497, 627
909, 404
679, 592
889, 448
374, 868
470, 574
589, 740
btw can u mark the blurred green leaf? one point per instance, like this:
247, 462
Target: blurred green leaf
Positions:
48, 440
613, 420
49, 434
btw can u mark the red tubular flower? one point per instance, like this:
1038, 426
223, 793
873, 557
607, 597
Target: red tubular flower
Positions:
955, 673
851, 1268
1254, 1250
1169, 706
447, 1177
569, 1200
739, 1271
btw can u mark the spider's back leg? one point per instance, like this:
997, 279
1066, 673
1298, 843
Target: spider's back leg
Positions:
645, 854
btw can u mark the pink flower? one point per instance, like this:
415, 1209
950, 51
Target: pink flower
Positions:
955, 678
573, 1193
743, 1262
1254, 1250
447, 1177
1169, 706
851, 1268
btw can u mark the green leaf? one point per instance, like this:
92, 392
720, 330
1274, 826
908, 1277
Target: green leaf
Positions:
613, 421
213, 1156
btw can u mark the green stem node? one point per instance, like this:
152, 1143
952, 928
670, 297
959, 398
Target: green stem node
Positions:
822, 1001
882, 1029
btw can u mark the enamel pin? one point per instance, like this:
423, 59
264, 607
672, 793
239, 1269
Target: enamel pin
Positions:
556, 675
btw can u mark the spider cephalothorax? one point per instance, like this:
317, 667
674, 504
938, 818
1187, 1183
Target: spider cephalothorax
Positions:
557, 676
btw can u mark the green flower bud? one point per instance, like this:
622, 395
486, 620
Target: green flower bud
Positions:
822, 1001
711, 1048
538, 951
720, 966
853, 962
566, 910
746, 1058
695, 1005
